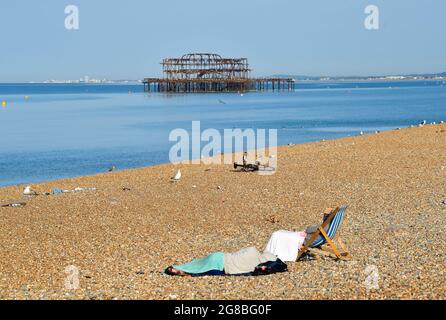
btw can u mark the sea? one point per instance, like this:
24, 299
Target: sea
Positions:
54, 131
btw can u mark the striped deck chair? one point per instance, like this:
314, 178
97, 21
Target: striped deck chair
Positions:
330, 236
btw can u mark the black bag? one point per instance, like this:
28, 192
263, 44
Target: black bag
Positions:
270, 267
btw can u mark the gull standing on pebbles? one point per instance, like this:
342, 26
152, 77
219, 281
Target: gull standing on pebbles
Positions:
177, 177
29, 192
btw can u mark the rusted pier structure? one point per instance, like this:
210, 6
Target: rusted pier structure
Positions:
207, 72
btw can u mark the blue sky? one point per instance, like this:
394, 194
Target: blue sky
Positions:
128, 39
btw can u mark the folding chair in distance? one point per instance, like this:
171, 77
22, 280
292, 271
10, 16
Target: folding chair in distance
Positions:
329, 235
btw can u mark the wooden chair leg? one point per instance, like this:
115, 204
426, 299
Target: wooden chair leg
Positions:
331, 243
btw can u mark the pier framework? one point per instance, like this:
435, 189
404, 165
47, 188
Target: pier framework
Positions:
207, 72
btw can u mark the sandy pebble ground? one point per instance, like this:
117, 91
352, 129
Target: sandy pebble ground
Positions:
120, 241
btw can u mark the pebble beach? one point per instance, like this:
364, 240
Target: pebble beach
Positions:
122, 234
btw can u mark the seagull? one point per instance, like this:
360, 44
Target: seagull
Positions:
361, 133
29, 192
113, 168
177, 177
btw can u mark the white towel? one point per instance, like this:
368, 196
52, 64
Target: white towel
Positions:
286, 244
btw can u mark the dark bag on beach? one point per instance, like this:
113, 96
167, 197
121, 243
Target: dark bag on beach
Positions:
270, 267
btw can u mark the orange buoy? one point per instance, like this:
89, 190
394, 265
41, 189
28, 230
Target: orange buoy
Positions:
4, 104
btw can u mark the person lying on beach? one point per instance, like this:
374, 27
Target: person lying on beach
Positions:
247, 261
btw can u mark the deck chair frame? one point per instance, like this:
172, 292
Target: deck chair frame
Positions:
331, 242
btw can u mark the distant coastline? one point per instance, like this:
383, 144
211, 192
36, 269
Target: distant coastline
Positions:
406, 77
93, 81
403, 77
